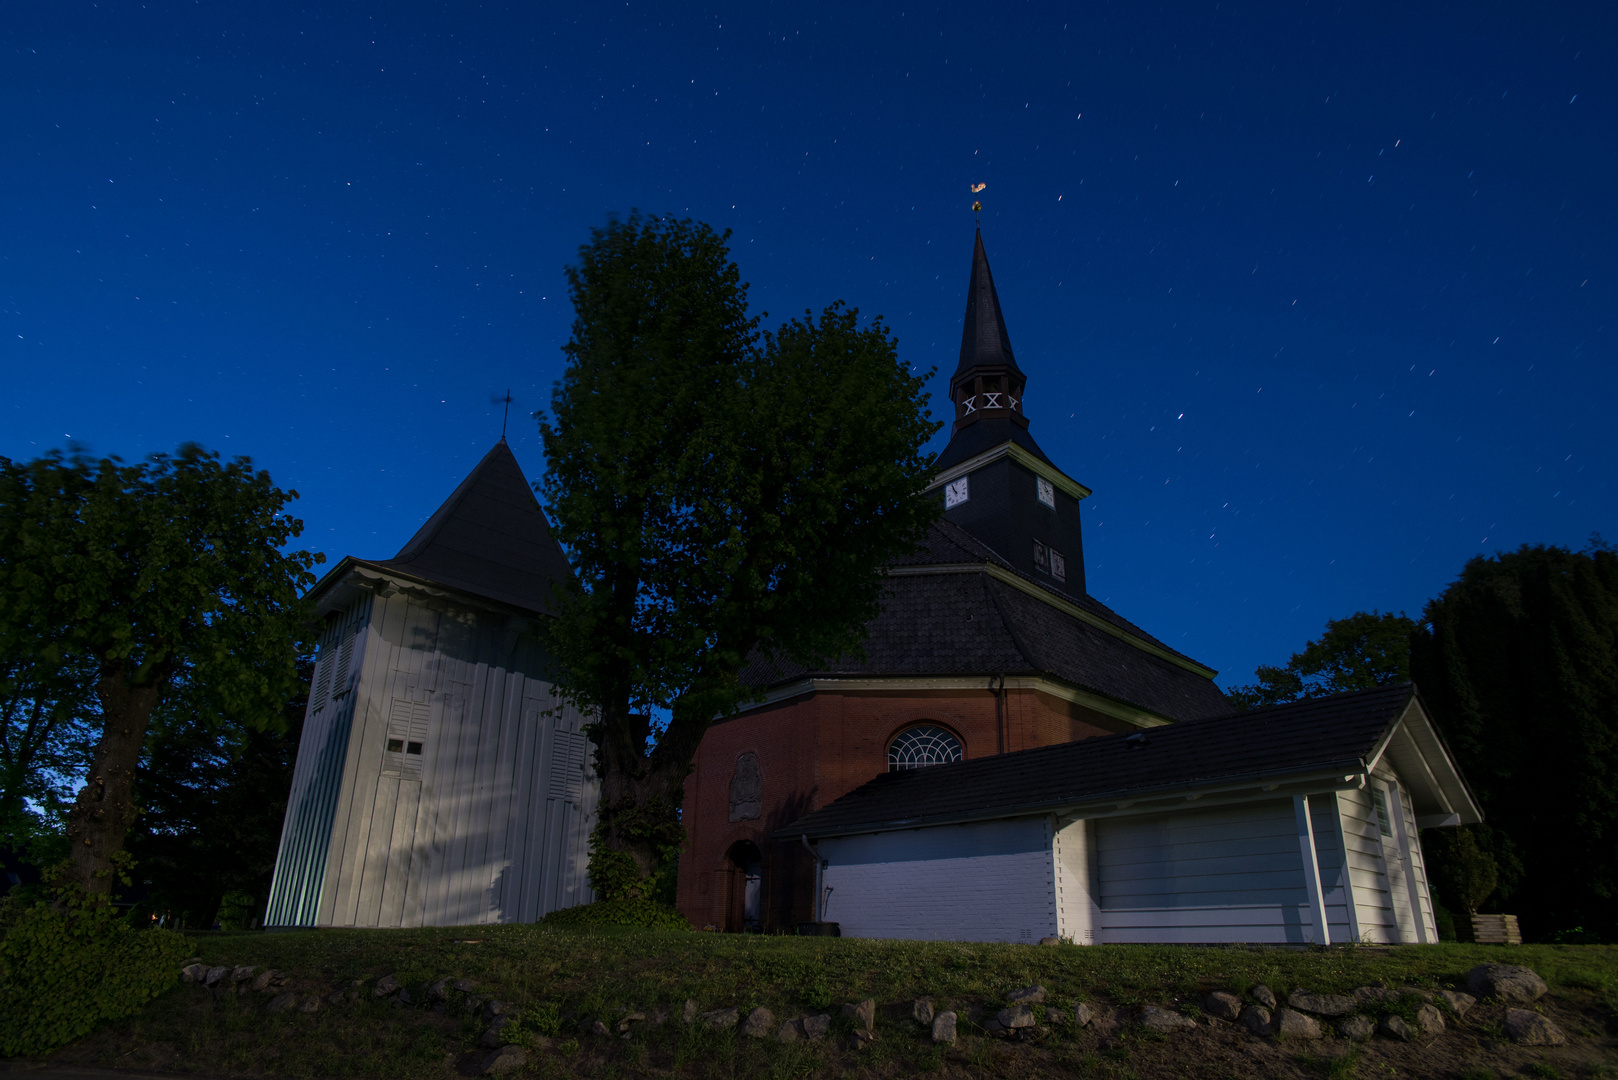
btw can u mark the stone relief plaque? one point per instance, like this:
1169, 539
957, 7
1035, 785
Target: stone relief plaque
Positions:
747, 789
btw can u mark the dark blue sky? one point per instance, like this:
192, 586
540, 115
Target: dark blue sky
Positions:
1319, 299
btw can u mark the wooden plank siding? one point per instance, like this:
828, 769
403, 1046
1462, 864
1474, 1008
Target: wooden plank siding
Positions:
1368, 871
466, 831
1419, 891
986, 881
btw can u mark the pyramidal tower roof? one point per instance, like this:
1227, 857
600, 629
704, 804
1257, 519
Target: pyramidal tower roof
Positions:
984, 341
490, 539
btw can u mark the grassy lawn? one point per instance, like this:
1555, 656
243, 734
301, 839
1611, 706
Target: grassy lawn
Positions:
559, 980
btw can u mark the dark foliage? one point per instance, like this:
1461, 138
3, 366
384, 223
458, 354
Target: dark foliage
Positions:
1519, 663
1365, 650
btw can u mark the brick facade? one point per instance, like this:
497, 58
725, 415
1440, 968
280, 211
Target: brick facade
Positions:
815, 748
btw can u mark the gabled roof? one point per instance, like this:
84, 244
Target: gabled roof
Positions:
984, 341
489, 539
954, 607
984, 435
1345, 733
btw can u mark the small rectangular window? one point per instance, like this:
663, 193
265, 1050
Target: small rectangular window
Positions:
1047, 492
1058, 565
395, 745
1380, 797
1042, 558
413, 748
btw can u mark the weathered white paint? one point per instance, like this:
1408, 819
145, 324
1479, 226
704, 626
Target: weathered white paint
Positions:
988, 881
1367, 869
1076, 890
1419, 898
490, 823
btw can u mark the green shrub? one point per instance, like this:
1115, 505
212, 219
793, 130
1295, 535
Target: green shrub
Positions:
629, 912
63, 973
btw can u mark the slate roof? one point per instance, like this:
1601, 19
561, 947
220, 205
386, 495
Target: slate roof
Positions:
981, 436
971, 623
1342, 731
489, 539
984, 341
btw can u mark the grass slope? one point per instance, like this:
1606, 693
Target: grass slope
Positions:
560, 979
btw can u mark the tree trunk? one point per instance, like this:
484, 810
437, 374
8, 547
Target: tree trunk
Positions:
105, 807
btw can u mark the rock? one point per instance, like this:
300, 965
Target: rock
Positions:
721, 1019
242, 974
1256, 1018
1292, 1024
660, 1017
1053, 1015
921, 1010
1028, 995
1394, 1027
791, 1031
690, 1012
495, 1007
188, 961
1508, 982
1430, 1020
1529, 1028
863, 1014
861, 1039
1083, 1014
334, 998
995, 1028
627, 1019
1053, 940
1370, 996
1416, 991
474, 1003
193, 973
438, 991
493, 1037
281, 1003
465, 986
403, 998
816, 1028
310, 1004
1015, 1016
1154, 1018
1223, 1005
1356, 1028
506, 1059
1458, 1003
598, 1028
1263, 995
265, 978
386, 985
944, 1028
215, 974
760, 1022
1321, 1004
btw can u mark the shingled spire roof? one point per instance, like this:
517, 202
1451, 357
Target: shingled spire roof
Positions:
489, 539
984, 341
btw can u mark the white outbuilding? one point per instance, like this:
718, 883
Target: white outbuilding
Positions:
1296, 824
440, 781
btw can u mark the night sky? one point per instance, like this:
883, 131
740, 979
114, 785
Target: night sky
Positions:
1319, 299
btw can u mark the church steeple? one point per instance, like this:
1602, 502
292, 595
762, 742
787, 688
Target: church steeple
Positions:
987, 384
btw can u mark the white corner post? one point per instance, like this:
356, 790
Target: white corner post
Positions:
1311, 868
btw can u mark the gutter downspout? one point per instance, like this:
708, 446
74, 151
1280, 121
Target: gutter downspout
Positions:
815, 910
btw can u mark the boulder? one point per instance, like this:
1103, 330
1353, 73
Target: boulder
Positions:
862, 1013
193, 973
1371, 996
1394, 1027
1256, 1018
861, 1039
1458, 1003
921, 1011
759, 1023
493, 1037
1508, 982
944, 1028
438, 991
1430, 1020
1015, 1016
1153, 1018
495, 1007
281, 1003
1292, 1024
386, 985
242, 973
465, 986
721, 1019
1416, 991
506, 1059
334, 998
310, 1004
689, 1014
791, 1031
1356, 1028
1053, 1015
816, 1028
214, 974
265, 978
1321, 1004
1083, 1014
1529, 1028
1263, 995
1028, 995
1052, 940
403, 997
1224, 1006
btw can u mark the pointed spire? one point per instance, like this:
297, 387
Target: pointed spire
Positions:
987, 384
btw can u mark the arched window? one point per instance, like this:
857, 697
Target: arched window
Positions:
919, 747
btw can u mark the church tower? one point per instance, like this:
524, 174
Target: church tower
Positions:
996, 482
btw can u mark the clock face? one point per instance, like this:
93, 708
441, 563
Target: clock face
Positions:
955, 493
1047, 492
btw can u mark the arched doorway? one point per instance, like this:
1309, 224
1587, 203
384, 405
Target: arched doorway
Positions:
745, 910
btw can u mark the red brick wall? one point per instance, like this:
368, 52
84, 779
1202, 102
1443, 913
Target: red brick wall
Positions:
816, 748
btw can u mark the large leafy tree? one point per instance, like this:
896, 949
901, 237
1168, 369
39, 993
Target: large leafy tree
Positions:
1519, 661
170, 572
722, 494
1367, 649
